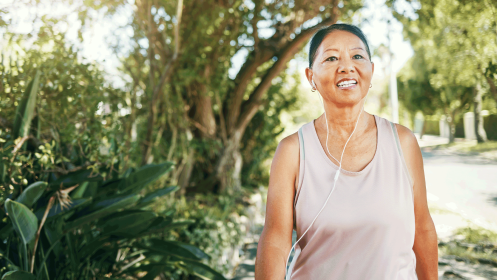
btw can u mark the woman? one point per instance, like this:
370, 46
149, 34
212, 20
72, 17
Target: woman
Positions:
375, 224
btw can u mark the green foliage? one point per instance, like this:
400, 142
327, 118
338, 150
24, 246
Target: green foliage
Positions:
32, 193
477, 235
105, 229
100, 236
454, 45
26, 109
432, 127
415, 89
25, 224
217, 226
260, 140
18, 275
456, 38
490, 125
68, 90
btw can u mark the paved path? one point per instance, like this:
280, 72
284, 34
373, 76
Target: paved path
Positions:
464, 187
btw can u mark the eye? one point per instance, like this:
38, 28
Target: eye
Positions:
357, 56
331, 58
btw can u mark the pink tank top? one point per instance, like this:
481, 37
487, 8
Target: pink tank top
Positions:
366, 230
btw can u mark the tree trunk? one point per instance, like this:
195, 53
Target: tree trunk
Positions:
481, 136
452, 127
229, 166
204, 116
186, 172
423, 129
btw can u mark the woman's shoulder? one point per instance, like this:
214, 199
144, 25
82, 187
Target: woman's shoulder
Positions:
286, 156
288, 146
406, 137
410, 150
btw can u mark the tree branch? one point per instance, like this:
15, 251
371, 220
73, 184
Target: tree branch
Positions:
249, 108
166, 73
150, 46
265, 50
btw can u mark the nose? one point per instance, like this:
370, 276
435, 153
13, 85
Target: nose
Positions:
345, 66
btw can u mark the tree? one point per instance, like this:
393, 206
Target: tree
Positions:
202, 107
419, 94
457, 41
182, 103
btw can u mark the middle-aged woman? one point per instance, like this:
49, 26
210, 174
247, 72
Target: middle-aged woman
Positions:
350, 183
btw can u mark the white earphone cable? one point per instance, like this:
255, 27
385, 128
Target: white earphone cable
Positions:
287, 276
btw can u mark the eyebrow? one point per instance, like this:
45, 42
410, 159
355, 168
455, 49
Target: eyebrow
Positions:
331, 49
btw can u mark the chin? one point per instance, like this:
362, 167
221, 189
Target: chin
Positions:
350, 96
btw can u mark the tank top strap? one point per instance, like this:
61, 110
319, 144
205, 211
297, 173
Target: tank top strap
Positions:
400, 153
301, 162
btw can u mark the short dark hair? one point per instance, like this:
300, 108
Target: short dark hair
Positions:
318, 37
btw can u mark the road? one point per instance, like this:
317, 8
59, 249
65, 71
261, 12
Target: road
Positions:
461, 189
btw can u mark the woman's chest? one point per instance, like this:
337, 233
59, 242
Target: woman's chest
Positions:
375, 201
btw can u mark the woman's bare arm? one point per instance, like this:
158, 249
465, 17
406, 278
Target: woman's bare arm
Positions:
425, 241
276, 238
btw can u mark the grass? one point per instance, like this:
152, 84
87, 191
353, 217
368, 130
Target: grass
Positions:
477, 235
472, 243
487, 149
471, 146
453, 249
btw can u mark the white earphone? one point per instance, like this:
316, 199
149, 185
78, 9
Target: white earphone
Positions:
297, 252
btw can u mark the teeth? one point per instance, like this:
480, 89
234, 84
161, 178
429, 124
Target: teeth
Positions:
347, 83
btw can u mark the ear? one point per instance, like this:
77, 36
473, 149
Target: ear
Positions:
309, 74
372, 68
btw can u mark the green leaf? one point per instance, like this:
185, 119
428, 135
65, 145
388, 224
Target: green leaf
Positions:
123, 202
193, 249
5, 229
149, 198
53, 232
157, 225
92, 247
144, 176
164, 247
24, 221
25, 110
128, 222
18, 275
57, 209
32, 193
203, 271
179, 224
79, 191
104, 203
76, 177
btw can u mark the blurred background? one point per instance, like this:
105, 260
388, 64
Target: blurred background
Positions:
137, 135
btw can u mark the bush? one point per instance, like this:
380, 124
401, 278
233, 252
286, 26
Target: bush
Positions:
218, 227
432, 127
86, 221
490, 125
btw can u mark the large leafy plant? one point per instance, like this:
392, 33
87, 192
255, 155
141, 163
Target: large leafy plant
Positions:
82, 225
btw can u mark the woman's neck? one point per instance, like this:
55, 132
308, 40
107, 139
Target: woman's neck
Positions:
342, 120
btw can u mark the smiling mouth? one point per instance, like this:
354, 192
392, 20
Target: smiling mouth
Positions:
346, 84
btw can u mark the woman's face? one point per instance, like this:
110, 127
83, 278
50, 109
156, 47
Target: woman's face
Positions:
341, 69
